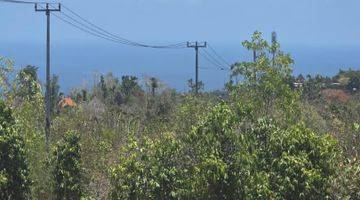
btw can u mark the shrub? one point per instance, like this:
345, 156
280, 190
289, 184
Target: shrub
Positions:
67, 172
148, 171
14, 173
347, 182
221, 158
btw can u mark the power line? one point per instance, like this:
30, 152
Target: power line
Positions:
92, 32
95, 30
83, 27
24, 2
214, 69
218, 55
118, 37
219, 67
85, 30
219, 63
91, 27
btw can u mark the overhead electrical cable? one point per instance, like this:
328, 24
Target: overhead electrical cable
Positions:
219, 63
219, 67
118, 37
218, 55
97, 30
208, 68
85, 30
21, 2
75, 20
25, 2
83, 27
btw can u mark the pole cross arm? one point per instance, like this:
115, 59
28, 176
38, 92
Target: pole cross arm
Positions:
196, 44
48, 8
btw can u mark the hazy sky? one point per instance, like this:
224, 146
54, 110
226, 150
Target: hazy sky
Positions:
308, 22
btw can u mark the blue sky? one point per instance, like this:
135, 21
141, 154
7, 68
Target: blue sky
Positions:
309, 22
328, 25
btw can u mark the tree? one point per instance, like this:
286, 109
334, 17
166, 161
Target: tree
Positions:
54, 92
103, 87
129, 87
354, 84
154, 83
192, 86
265, 81
28, 83
67, 172
14, 173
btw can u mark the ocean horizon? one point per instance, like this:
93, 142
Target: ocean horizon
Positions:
77, 64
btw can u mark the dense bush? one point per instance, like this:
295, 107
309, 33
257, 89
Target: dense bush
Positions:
217, 160
14, 173
150, 170
67, 173
347, 183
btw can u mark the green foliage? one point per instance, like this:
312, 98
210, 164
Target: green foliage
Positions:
350, 79
14, 173
265, 80
113, 91
212, 146
220, 159
6, 68
129, 87
188, 112
54, 92
263, 138
262, 162
154, 83
28, 84
67, 172
149, 171
346, 185
192, 86
303, 164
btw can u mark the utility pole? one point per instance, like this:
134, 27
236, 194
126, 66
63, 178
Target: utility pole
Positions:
196, 46
47, 11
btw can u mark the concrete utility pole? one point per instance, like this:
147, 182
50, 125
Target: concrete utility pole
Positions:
47, 11
196, 46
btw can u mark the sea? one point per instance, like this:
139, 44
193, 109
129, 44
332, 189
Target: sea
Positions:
79, 65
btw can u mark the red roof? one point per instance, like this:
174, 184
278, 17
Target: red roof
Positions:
67, 102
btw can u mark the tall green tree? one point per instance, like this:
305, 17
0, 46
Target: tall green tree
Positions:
28, 83
265, 80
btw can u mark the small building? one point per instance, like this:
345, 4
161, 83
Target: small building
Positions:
66, 103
